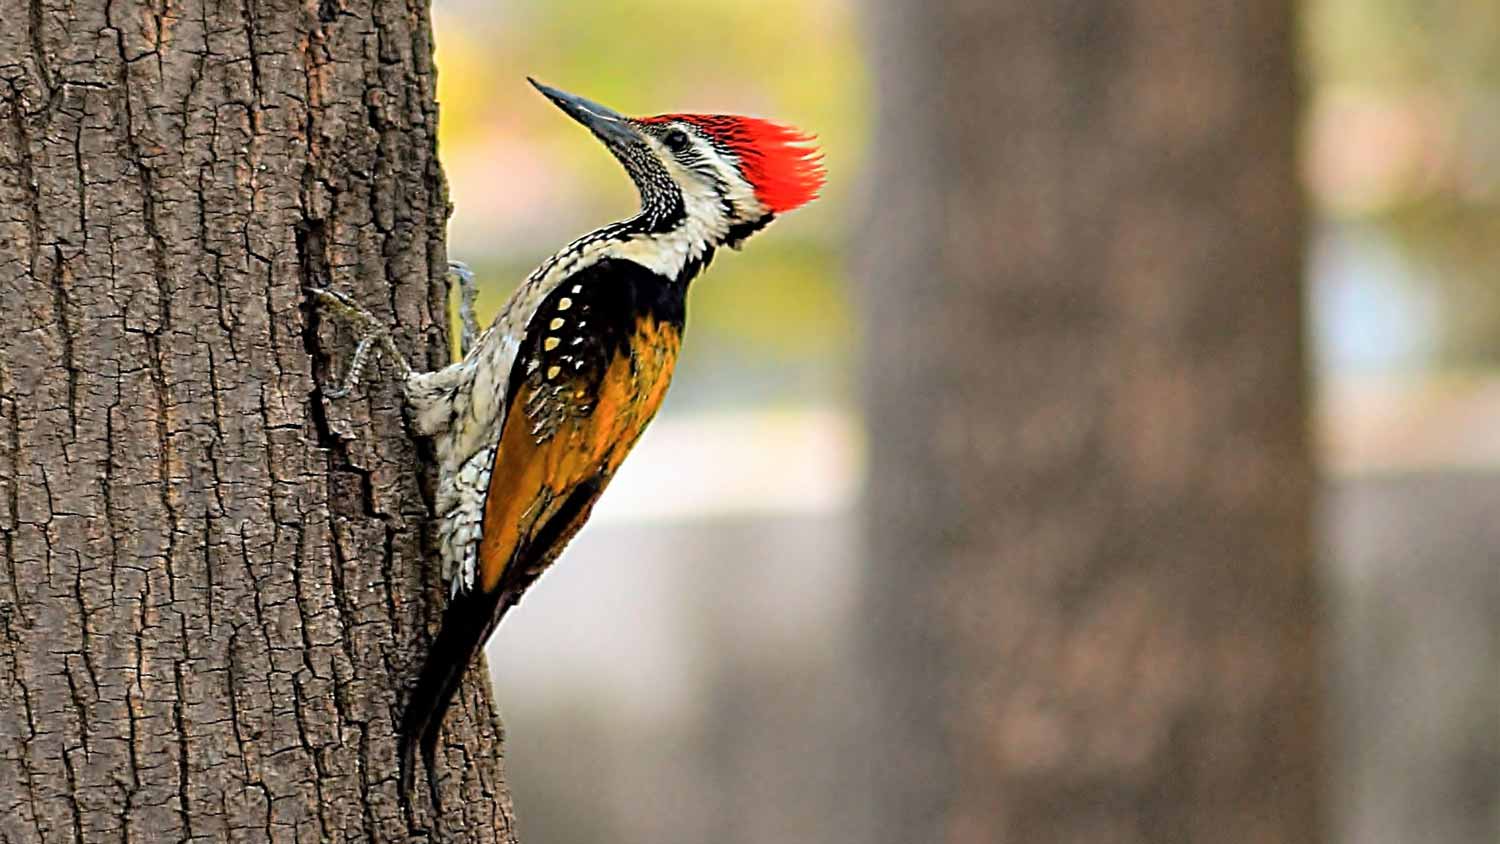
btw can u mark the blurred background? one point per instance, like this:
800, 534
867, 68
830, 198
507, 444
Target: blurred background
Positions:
700, 667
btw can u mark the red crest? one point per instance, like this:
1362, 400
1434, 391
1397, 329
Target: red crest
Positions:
779, 161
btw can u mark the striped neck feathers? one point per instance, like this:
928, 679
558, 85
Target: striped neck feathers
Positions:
676, 237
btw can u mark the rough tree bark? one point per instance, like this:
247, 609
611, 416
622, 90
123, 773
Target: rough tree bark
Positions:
1093, 603
213, 589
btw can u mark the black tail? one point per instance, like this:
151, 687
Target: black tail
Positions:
467, 622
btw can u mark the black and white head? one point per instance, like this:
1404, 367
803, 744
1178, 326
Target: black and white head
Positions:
713, 179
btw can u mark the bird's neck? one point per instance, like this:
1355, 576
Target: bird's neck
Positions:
675, 239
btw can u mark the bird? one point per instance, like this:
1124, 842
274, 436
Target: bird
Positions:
532, 421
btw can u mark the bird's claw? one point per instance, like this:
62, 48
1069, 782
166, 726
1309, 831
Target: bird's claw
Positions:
342, 306
462, 270
366, 327
468, 291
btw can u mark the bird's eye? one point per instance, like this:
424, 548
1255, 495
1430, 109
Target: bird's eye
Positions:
676, 140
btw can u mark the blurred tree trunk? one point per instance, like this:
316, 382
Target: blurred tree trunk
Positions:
1093, 603
213, 590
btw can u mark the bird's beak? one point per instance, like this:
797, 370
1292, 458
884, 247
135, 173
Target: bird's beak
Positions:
608, 125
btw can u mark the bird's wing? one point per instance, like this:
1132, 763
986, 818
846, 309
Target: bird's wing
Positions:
591, 372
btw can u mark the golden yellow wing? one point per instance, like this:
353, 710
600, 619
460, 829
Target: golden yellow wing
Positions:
572, 443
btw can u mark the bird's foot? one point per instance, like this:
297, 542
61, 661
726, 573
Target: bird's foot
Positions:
370, 331
468, 291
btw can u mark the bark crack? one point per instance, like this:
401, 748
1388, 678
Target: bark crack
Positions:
65, 335
38, 48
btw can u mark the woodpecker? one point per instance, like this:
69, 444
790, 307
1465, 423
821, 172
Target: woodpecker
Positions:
533, 420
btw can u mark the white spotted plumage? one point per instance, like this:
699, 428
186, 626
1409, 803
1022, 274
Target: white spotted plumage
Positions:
461, 408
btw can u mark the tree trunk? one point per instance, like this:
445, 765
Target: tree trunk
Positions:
214, 587
1093, 606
